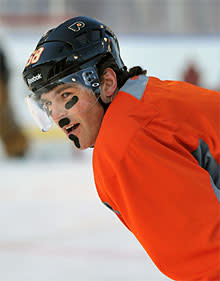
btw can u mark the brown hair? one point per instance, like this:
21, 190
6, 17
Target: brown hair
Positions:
122, 75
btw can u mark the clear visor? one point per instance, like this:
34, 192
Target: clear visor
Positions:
41, 115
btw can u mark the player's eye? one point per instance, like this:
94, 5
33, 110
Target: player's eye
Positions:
46, 105
65, 94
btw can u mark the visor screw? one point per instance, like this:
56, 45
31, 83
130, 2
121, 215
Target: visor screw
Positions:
74, 79
75, 57
105, 39
102, 26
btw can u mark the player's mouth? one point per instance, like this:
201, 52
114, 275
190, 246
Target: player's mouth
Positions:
71, 128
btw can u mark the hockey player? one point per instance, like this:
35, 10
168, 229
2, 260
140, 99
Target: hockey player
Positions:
13, 139
156, 157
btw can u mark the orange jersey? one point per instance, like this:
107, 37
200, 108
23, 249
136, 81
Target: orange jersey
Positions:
156, 164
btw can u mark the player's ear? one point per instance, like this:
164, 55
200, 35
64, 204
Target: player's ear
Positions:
108, 85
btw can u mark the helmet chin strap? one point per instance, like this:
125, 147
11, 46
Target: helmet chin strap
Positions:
98, 96
105, 107
103, 104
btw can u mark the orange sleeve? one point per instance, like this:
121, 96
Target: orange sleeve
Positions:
168, 202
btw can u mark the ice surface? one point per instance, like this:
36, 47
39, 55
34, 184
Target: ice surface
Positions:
53, 226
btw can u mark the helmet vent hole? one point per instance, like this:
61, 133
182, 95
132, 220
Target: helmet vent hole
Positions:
57, 68
82, 39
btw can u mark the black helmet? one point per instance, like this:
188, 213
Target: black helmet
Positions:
77, 44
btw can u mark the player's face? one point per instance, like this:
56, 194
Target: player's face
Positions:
76, 111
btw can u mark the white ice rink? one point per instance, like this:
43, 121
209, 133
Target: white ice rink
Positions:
53, 226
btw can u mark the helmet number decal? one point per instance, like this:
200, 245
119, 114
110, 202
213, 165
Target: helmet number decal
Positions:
77, 26
35, 56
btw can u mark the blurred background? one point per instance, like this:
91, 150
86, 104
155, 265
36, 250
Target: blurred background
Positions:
172, 39
52, 224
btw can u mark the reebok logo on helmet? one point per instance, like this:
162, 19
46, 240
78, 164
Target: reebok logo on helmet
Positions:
34, 79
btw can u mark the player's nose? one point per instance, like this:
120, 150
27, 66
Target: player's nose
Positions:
57, 113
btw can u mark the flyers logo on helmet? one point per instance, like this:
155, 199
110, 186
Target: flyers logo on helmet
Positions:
77, 26
35, 56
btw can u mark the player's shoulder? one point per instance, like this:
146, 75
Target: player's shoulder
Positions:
124, 117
